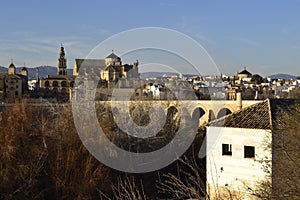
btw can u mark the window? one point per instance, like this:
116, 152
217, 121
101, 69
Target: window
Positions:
55, 84
249, 152
226, 149
47, 84
64, 84
16, 93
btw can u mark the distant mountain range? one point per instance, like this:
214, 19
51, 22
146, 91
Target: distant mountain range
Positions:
161, 74
44, 71
283, 76
169, 74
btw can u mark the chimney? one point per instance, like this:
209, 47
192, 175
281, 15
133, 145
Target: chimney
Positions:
239, 100
256, 95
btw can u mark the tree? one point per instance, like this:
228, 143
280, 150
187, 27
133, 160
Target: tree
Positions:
294, 93
257, 79
283, 172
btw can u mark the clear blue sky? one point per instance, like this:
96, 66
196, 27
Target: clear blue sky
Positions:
262, 35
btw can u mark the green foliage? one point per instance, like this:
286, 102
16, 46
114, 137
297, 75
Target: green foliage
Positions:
295, 93
257, 79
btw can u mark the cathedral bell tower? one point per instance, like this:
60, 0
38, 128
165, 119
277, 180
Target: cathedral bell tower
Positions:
62, 62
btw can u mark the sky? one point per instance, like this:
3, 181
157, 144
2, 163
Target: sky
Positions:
263, 36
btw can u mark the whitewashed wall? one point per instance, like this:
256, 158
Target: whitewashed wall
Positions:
236, 172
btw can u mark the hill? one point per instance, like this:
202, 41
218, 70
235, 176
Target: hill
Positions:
44, 71
283, 76
161, 74
3, 69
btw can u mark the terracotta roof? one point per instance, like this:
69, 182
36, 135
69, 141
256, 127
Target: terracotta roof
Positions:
264, 115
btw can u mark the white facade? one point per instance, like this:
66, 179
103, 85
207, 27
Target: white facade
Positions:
235, 172
32, 84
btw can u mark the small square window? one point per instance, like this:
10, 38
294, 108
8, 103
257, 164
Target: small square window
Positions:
249, 152
226, 149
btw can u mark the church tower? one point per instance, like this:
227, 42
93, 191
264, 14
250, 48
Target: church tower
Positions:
11, 68
62, 62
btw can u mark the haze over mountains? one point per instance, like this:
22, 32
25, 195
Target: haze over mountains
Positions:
44, 71
51, 70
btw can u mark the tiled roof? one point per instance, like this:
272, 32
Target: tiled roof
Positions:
282, 108
264, 115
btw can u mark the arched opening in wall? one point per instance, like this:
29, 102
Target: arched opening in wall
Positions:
223, 112
55, 90
55, 84
72, 84
198, 113
64, 84
47, 84
171, 125
101, 97
139, 114
64, 91
211, 115
171, 114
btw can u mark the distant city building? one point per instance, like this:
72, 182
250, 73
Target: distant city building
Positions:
244, 74
239, 144
13, 84
114, 70
111, 69
57, 86
109, 72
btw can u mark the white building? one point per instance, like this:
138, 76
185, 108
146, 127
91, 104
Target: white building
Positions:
238, 146
32, 84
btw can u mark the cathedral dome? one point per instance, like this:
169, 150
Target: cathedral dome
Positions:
113, 56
